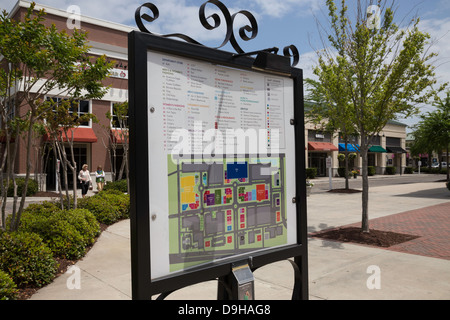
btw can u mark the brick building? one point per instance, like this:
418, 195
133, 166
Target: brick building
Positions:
91, 140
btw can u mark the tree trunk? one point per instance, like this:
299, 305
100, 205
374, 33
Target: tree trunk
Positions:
448, 165
27, 174
346, 164
58, 176
365, 192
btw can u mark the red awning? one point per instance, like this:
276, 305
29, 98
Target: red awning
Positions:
79, 135
322, 146
119, 135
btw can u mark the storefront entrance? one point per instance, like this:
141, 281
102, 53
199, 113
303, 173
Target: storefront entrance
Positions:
318, 160
80, 154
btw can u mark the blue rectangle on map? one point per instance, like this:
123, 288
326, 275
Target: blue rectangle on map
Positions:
237, 170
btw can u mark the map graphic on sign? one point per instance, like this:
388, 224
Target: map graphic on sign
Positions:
224, 208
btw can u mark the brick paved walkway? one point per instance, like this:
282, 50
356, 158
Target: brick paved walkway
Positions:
431, 224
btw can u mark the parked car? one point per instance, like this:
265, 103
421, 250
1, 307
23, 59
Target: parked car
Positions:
436, 164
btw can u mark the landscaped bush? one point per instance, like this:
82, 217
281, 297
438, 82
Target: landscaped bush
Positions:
108, 206
33, 187
371, 170
448, 185
8, 289
46, 208
409, 170
120, 185
391, 170
67, 233
26, 259
311, 173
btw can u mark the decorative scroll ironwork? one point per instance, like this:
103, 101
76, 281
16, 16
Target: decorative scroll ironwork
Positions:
246, 33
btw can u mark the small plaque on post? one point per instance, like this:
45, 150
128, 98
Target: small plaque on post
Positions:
245, 282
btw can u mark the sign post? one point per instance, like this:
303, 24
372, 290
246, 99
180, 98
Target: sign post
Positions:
329, 164
216, 165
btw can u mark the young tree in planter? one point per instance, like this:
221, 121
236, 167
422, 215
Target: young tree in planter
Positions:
38, 60
383, 71
61, 120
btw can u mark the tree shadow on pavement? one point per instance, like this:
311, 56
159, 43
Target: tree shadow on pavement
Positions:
437, 193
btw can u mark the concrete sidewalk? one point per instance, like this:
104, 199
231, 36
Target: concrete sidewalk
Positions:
336, 270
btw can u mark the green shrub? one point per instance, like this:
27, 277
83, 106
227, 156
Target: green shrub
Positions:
109, 206
46, 208
311, 173
84, 222
391, 170
120, 185
409, 170
341, 172
33, 187
26, 259
371, 170
66, 232
8, 289
435, 170
448, 185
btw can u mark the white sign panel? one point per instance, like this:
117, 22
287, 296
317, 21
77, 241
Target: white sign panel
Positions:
220, 143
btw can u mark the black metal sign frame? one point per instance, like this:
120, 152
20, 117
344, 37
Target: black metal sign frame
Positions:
143, 287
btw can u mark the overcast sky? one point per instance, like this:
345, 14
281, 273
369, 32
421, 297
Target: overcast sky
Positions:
280, 23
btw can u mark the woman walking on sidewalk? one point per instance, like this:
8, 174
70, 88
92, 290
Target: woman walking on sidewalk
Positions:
100, 178
85, 179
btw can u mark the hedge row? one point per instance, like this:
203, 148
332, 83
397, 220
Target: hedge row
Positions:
28, 257
431, 170
66, 232
32, 188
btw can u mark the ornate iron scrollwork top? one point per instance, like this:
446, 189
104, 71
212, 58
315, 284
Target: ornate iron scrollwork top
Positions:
246, 33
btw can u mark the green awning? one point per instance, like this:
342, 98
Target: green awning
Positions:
377, 149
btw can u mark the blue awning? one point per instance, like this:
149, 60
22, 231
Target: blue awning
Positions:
350, 147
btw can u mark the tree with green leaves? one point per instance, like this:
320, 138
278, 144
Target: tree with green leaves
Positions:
60, 120
440, 122
421, 142
119, 118
38, 60
432, 133
331, 114
381, 71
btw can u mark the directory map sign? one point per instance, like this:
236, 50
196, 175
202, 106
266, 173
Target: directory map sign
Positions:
220, 144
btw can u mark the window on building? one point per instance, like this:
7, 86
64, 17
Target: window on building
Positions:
81, 107
393, 142
116, 121
351, 138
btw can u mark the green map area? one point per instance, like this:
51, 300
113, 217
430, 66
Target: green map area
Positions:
224, 208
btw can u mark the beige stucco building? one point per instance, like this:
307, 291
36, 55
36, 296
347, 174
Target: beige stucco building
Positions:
388, 149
